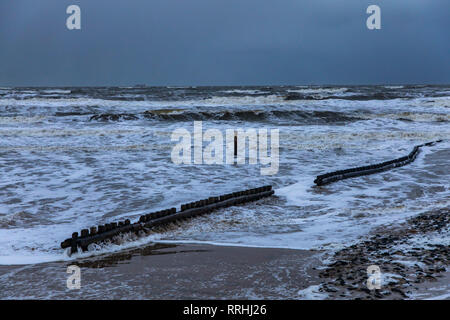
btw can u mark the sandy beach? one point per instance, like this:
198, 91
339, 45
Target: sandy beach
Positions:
170, 272
413, 265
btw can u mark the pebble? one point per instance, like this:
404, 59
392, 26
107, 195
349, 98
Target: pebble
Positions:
351, 263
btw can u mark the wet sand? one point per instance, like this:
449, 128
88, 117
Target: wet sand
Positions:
170, 272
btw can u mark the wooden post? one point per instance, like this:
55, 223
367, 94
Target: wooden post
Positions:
235, 145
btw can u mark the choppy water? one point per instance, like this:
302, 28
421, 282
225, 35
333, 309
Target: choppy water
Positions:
65, 166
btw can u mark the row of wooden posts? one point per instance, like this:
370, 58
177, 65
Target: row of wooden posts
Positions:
163, 217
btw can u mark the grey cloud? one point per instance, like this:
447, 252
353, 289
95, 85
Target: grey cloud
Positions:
223, 42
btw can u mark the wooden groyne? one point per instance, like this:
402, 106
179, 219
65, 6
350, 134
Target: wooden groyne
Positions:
370, 169
160, 218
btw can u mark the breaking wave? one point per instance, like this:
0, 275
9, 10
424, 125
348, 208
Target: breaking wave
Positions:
232, 115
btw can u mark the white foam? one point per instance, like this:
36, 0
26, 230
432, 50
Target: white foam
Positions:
56, 91
394, 87
320, 91
444, 296
312, 293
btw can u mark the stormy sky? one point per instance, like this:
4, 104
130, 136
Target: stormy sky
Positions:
223, 42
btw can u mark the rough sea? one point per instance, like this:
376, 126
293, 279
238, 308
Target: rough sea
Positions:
71, 158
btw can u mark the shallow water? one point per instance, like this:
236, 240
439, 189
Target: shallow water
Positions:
63, 168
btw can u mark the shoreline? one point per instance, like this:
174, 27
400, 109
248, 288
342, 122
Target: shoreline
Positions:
165, 271
413, 258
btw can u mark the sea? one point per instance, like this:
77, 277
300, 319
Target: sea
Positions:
76, 157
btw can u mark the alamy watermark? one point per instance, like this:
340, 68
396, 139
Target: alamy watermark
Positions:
189, 147
74, 280
73, 22
374, 20
374, 277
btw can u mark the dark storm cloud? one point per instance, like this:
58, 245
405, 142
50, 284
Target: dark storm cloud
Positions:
219, 42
